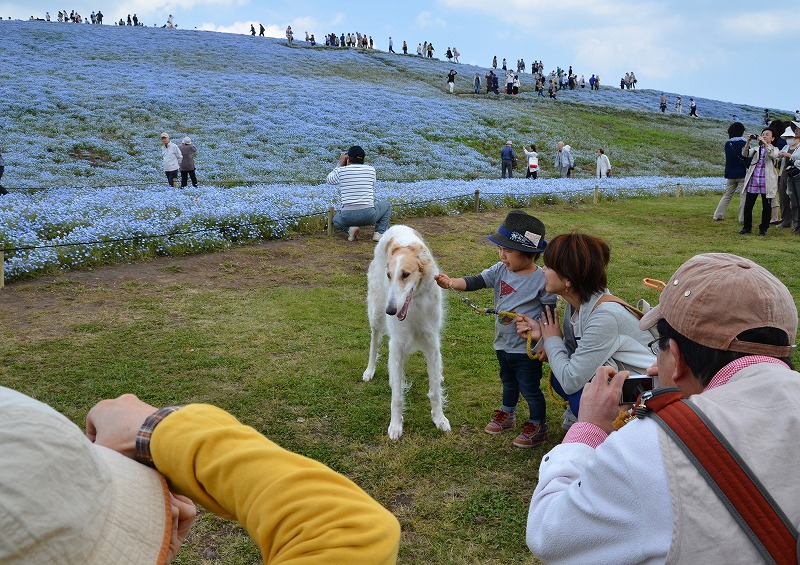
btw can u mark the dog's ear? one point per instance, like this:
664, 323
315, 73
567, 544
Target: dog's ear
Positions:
424, 257
390, 247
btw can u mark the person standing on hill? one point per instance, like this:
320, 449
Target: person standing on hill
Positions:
692, 108
171, 157
455, 54
507, 158
451, 80
357, 188
391, 45
252, 30
603, 165
3, 191
405, 48
494, 62
563, 161
735, 171
187, 162
261, 30
678, 105
533, 162
477, 83
663, 103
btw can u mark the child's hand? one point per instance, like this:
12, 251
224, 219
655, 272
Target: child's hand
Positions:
442, 280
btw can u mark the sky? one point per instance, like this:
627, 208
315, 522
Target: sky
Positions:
719, 50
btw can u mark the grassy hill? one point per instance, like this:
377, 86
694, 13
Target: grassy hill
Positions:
84, 105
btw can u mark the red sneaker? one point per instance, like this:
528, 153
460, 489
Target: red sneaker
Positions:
532, 435
501, 422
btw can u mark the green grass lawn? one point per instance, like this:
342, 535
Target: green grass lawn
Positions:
277, 334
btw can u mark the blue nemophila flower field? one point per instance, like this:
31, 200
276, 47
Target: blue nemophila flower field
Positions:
84, 107
75, 227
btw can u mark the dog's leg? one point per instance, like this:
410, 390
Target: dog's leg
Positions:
397, 380
374, 347
433, 356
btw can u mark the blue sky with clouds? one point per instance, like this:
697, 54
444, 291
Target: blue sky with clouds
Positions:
732, 51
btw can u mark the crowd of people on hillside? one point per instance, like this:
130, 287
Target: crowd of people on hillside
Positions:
628, 82
73, 17
563, 163
97, 18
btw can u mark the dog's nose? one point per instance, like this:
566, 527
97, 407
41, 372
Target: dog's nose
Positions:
391, 310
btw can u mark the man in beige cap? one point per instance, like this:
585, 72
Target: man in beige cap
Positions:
727, 329
172, 157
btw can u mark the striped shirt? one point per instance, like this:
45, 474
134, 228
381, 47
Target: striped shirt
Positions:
356, 185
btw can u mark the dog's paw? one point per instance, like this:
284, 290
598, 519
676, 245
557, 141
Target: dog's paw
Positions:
395, 431
367, 376
442, 424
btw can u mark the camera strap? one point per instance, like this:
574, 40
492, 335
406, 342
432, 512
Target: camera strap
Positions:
745, 497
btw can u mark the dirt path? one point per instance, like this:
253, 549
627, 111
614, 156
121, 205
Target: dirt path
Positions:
48, 305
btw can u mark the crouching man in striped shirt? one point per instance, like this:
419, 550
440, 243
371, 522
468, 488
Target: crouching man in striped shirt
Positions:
356, 186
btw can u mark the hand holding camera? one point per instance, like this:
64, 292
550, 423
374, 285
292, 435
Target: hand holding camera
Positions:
344, 160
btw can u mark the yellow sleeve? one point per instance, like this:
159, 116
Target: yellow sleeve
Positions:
297, 510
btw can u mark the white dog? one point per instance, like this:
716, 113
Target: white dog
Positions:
404, 301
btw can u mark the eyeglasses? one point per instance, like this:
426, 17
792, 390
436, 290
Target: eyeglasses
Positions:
653, 346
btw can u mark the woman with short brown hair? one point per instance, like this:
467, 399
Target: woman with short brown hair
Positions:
596, 331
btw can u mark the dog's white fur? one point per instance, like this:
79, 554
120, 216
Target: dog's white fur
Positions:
404, 301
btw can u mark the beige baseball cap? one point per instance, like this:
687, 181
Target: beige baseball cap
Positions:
714, 297
66, 500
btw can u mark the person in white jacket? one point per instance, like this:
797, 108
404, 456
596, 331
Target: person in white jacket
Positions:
172, 157
603, 164
533, 162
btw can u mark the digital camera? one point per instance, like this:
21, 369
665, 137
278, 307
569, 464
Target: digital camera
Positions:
635, 385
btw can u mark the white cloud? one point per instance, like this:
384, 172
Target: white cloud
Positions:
158, 10
271, 30
426, 20
746, 27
